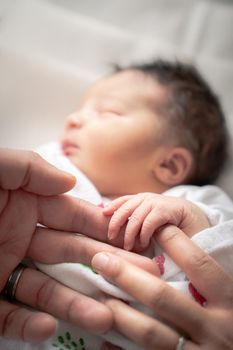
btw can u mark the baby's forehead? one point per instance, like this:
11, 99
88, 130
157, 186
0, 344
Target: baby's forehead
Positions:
128, 85
115, 82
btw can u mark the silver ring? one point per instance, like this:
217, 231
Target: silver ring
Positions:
12, 282
180, 344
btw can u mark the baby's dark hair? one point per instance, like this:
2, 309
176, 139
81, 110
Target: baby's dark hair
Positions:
194, 113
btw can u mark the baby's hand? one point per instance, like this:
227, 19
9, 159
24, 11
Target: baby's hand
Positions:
144, 213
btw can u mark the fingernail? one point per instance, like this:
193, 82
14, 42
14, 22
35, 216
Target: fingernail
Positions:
100, 261
71, 176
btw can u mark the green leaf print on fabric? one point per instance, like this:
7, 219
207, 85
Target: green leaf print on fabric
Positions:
64, 342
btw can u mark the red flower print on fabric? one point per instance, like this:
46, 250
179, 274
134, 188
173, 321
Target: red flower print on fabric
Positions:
197, 296
160, 260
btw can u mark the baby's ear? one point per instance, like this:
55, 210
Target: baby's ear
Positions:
174, 166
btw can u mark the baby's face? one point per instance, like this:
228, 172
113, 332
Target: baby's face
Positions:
113, 135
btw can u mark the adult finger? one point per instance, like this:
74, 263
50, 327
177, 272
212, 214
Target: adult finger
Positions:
74, 215
27, 170
77, 215
143, 330
202, 270
71, 247
19, 323
41, 292
158, 296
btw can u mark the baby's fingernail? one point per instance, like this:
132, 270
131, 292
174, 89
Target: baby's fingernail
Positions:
100, 261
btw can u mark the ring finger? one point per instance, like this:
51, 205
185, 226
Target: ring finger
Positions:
143, 330
41, 292
19, 323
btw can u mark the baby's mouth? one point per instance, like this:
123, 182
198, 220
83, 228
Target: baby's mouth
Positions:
68, 147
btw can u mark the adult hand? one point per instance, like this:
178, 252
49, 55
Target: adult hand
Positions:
28, 187
208, 327
29, 194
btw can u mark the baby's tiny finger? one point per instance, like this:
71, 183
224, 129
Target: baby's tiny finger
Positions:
135, 223
150, 224
121, 216
114, 205
156, 219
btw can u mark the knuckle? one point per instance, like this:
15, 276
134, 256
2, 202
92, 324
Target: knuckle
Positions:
149, 337
80, 212
162, 215
134, 219
119, 216
32, 158
45, 293
147, 224
114, 219
7, 321
169, 234
200, 260
158, 301
148, 196
68, 251
70, 310
123, 210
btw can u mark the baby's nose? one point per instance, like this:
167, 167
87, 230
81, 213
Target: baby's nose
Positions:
73, 121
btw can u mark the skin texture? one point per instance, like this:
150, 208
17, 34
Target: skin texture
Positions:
25, 182
30, 193
116, 137
145, 214
207, 328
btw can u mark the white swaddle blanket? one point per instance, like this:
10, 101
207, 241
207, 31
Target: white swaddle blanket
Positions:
217, 241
